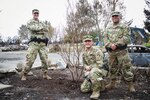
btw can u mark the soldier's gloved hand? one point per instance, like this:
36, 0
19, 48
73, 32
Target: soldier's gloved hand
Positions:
87, 68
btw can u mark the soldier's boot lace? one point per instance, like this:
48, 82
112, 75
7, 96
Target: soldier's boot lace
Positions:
111, 85
95, 95
131, 87
45, 76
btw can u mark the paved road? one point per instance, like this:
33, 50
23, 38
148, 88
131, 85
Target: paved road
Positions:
9, 60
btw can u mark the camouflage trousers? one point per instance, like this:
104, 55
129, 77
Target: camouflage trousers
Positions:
93, 80
32, 52
120, 64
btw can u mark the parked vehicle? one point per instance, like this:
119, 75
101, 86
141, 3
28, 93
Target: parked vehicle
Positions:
6, 48
23, 46
139, 54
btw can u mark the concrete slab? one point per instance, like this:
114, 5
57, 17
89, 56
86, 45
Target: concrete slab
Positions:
9, 60
3, 86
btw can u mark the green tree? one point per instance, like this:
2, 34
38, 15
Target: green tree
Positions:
147, 21
147, 15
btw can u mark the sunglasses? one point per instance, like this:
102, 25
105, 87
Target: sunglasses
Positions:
115, 15
36, 13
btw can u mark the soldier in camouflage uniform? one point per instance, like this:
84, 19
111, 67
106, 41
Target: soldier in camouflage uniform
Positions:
93, 68
37, 44
116, 39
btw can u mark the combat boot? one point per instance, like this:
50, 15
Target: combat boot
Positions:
103, 85
111, 85
95, 95
24, 76
45, 76
131, 87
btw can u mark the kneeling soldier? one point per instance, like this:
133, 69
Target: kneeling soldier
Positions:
93, 68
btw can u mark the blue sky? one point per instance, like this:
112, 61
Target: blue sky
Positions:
17, 12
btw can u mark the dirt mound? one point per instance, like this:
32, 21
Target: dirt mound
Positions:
61, 87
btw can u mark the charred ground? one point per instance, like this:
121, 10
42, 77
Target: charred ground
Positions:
61, 87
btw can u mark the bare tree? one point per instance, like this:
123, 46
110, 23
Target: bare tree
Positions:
24, 33
94, 17
77, 25
50, 28
85, 18
100, 12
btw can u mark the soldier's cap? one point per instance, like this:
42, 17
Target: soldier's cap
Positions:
35, 11
115, 13
87, 37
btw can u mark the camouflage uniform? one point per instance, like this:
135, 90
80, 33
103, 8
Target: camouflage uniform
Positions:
119, 59
37, 30
94, 77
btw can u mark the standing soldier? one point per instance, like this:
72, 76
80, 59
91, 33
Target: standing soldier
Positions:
37, 44
93, 68
116, 39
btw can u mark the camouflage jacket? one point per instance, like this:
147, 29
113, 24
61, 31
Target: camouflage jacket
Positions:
93, 58
118, 34
37, 29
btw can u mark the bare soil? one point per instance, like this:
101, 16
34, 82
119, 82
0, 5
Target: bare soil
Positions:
61, 87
